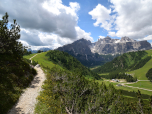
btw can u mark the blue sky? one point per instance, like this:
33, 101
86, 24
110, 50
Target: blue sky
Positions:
85, 20
54, 23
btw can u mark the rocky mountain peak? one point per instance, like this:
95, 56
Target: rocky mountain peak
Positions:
126, 39
107, 38
82, 40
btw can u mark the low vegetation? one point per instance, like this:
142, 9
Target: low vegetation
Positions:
64, 92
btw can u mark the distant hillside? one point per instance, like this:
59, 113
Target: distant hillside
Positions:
70, 63
126, 62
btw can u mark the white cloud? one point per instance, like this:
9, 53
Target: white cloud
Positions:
149, 37
130, 18
134, 18
101, 14
82, 34
101, 37
45, 23
24, 43
75, 6
112, 34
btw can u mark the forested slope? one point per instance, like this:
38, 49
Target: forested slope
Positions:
126, 62
70, 63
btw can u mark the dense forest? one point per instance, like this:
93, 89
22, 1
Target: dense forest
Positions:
70, 63
15, 72
73, 94
126, 62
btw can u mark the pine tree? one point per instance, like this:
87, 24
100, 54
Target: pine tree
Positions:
8, 39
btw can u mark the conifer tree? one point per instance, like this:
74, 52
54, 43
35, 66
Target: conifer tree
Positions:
8, 38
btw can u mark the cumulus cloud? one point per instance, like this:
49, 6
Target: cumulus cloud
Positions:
101, 15
82, 34
130, 18
112, 34
24, 43
101, 37
43, 21
134, 18
149, 37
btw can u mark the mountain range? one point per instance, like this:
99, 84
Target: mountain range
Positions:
113, 46
42, 49
102, 51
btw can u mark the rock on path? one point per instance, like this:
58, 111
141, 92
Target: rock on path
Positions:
27, 100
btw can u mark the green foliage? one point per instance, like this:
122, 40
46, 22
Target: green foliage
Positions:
65, 92
133, 94
70, 63
34, 62
149, 74
126, 62
8, 38
27, 60
118, 75
14, 76
39, 51
15, 72
26, 52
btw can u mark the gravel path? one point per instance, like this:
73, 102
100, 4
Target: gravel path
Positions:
27, 100
32, 57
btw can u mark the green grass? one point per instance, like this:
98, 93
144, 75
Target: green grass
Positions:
142, 84
124, 88
141, 73
42, 59
149, 52
29, 56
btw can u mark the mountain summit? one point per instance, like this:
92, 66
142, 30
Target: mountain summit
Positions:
113, 46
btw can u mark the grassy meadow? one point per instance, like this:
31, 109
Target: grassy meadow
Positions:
29, 56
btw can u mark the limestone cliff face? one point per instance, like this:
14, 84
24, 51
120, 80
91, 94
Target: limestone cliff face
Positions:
113, 46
